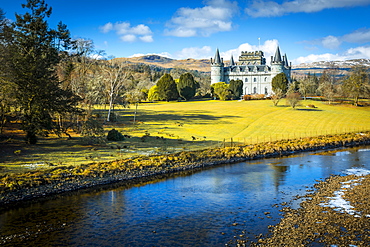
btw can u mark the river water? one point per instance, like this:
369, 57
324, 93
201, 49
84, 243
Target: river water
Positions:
211, 207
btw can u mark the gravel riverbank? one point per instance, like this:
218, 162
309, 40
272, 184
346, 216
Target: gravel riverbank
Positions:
21, 187
337, 214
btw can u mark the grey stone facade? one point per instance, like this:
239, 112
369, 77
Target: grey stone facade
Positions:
252, 70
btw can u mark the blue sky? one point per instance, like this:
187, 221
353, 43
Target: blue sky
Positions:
306, 30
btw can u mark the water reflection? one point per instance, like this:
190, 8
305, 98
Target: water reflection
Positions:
205, 208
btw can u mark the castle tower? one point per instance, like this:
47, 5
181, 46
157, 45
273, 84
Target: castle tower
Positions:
277, 64
217, 68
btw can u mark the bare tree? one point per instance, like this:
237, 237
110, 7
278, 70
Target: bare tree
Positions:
278, 94
357, 84
327, 86
82, 73
305, 86
293, 99
115, 79
134, 97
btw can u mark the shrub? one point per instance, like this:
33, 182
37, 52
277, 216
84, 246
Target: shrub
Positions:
258, 96
253, 97
247, 97
92, 131
115, 135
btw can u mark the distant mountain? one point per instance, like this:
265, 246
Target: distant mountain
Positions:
203, 65
300, 70
340, 64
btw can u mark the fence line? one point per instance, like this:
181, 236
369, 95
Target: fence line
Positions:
230, 142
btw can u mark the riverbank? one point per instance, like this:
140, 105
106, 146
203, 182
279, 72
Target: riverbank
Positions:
27, 186
337, 214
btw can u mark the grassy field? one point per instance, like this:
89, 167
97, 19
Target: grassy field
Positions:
176, 126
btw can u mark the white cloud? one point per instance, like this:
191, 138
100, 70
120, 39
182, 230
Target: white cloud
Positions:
106, 28
358, 36
147, 38
362, 52
261, 8
214, 17
128, 38
194, 52
331, 42
128, 33
359, 52
141, 30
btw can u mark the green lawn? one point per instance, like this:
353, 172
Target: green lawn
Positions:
177, 126
217, 120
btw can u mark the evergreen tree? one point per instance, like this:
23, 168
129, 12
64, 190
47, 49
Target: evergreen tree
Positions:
280, 81
187, 86
32, 52
167, 89
236, 88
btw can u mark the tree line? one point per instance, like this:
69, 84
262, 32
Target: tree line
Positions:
330, 85
50, 82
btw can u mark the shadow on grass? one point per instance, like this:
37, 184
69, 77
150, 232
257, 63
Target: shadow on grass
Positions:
308, 109
197, 116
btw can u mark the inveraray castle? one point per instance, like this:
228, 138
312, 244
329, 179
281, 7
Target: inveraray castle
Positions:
251, 69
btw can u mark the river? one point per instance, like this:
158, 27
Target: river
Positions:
212, 207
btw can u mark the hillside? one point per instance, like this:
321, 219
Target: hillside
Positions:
300, 70
203, 65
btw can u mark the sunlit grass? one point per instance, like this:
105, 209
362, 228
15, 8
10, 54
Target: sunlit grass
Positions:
177, 126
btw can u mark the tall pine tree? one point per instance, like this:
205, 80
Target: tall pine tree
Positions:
33, 51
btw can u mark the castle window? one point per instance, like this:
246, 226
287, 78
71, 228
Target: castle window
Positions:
254, 79
265, 89
246, 79
254, 90
265, 79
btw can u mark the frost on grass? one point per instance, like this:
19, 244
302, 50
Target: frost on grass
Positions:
338, 202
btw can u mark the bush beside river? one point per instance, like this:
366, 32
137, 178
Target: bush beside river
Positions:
40, 183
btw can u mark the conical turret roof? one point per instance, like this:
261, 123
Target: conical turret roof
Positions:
286, 60
277, 57
217, 57
232, 63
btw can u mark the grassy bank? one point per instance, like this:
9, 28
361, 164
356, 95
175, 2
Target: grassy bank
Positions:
39, 183
172, 127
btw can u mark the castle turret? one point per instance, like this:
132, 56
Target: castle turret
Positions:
217, 68
287, 68
277, 64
